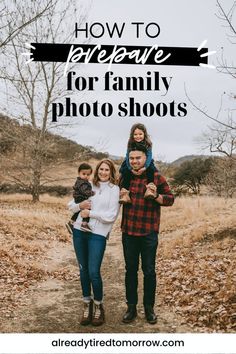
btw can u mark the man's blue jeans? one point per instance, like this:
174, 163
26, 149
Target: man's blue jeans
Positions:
89, 249
134, 247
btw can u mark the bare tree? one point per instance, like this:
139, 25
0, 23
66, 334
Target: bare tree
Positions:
221, 135
31, 89
221, 177
227, 17
16, 15
227, 119
221, 140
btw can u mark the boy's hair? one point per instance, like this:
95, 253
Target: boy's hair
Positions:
142, 127
85, 166
138, 147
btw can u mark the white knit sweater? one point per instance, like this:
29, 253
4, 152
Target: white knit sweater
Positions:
104, 209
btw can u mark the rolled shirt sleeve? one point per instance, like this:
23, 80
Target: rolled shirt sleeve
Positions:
163, 189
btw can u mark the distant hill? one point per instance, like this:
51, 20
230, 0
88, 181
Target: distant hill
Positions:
182, 159
61, 147
115, 157
11, 132
175, 163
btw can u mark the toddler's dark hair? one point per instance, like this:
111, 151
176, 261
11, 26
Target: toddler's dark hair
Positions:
84, 166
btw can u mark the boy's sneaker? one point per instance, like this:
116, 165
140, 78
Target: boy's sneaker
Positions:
85, 226
124, 197
70, 227
150, 191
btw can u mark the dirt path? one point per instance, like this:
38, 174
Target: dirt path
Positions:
55, 305
40, 287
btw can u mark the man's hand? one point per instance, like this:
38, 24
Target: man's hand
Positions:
86, 204
84, 213
153, 187
159, 197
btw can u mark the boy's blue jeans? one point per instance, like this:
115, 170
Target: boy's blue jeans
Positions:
146, 247
89, 249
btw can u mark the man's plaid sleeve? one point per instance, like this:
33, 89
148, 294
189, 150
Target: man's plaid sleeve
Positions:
164, 189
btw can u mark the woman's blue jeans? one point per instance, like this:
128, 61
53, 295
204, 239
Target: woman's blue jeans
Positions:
89, 249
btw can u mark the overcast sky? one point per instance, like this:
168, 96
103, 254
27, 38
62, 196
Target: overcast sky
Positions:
182, 23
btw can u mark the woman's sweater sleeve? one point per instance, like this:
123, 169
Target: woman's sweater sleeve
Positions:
111, 213
73, 207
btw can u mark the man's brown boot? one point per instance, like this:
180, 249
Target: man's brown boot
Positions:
87, 313
124, 196
150, 191
98, 315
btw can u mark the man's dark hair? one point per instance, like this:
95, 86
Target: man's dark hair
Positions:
138, 147
84, 166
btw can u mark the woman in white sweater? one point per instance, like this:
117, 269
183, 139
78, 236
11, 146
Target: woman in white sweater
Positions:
102, 209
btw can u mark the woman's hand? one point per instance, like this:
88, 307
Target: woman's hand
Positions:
84, 213
86, 204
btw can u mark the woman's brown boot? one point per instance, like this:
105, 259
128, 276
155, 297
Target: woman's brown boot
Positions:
87, 313
98, 315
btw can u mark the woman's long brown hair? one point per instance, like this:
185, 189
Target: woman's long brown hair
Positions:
111, 165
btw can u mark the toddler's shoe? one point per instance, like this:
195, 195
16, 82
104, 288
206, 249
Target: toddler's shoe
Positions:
150, 191
70, 227
85, 227
124, 196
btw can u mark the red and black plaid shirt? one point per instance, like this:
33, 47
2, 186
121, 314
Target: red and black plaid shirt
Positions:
143, 216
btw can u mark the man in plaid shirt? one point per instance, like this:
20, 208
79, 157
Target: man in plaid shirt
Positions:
140, 228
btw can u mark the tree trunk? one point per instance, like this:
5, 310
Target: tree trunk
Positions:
35, 191
36, 186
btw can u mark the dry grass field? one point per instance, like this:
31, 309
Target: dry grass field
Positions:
196, 267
